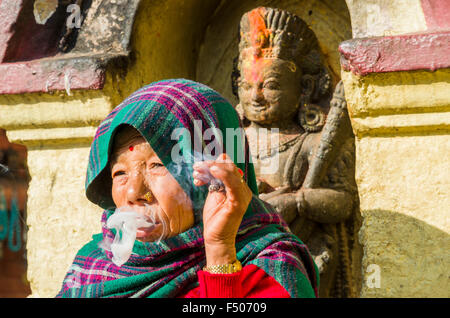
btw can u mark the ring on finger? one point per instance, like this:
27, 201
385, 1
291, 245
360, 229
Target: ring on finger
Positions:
216, 186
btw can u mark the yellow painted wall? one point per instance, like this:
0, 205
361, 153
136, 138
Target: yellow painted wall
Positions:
402, 124
165, 40
385, 17
60, 219
57, 130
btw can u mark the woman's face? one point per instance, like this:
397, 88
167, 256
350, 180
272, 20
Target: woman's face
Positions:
136, 170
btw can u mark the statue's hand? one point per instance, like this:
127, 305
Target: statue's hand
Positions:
286, 204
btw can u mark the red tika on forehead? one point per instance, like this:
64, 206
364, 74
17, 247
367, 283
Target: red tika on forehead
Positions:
131, 148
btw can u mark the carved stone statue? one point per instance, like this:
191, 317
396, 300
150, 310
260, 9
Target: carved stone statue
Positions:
282, 82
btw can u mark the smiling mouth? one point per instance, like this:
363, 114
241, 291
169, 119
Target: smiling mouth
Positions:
258, 107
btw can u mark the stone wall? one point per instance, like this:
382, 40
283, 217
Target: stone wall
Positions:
56, 130
398, 94
403, 181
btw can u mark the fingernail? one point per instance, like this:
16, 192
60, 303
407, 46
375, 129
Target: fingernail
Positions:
214, 168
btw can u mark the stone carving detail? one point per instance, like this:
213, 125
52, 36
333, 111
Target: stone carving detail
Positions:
282, 82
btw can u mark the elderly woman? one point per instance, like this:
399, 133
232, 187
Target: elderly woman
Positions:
194, 227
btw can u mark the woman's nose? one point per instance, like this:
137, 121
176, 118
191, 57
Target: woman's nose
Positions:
136, 189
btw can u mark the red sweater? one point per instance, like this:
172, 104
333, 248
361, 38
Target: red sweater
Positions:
250, 282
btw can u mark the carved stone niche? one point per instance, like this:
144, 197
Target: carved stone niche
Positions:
314, 185
48, 45
282, 82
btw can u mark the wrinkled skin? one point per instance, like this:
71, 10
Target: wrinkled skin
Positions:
136, 169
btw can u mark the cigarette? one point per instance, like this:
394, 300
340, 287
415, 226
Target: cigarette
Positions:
204, 174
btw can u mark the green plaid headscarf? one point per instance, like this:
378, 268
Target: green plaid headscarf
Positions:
169, 268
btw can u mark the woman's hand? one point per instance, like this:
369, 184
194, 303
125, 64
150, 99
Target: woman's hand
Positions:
223, 210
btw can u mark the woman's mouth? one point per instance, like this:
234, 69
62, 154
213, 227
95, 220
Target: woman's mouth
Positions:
149, 232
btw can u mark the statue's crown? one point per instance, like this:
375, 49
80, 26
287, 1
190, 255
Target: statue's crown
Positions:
273, 33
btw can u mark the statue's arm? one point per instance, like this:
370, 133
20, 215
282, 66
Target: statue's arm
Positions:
324, 205
332, 202
321, 205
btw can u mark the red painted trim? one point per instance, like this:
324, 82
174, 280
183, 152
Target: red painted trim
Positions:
437, 14
51, 74
396, 53
31, 62
44, 74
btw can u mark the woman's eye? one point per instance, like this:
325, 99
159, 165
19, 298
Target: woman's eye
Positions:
156, 165
118, 173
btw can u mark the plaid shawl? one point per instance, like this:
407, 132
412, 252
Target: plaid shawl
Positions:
169, 268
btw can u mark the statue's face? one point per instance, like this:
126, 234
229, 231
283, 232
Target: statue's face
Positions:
269, 90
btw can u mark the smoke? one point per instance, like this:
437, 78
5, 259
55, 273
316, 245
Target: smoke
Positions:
203, 174
202, 169
127, 222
